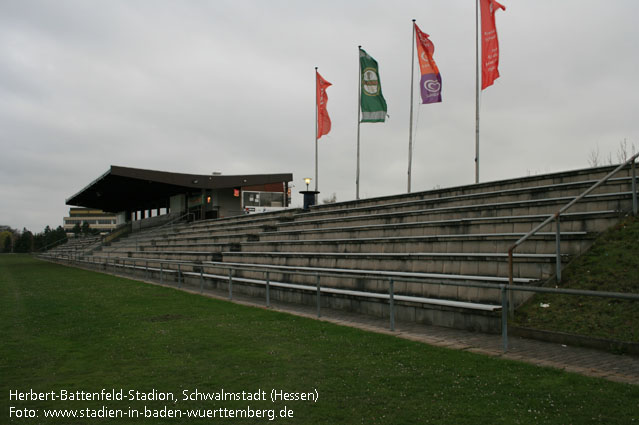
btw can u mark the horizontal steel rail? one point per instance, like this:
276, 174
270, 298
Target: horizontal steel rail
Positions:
121, 262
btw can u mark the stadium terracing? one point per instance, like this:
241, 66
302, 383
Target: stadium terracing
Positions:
439, 257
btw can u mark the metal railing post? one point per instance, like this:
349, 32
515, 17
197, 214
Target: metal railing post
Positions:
511, 304
504, 316
558, 248
201, 281
146, 266
179, 276
230, 284
391, 294
161, 273
268, 289
634, 189
317, 282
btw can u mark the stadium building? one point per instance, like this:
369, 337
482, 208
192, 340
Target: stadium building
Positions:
97, 220
148, 197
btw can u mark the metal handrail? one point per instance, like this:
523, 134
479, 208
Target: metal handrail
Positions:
176, 219
556, 217
376, 275
168, 223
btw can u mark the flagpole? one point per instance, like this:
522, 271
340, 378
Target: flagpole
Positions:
316, 120
359, 102
477, 91
410, 127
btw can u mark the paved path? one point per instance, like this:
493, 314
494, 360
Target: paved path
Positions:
585, 361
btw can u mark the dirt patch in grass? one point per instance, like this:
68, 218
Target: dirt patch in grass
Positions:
166, 318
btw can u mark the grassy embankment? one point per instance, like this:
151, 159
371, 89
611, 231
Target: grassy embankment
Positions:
69, 329
612, 264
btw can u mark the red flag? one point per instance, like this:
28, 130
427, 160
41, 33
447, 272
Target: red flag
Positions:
323, 120
489, 43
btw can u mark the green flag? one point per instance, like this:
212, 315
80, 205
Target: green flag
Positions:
373, 103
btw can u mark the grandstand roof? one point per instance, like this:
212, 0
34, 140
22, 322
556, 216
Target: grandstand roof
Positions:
124, 188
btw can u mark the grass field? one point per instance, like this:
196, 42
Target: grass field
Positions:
65, 329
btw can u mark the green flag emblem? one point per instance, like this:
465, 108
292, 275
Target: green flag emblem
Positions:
373, 104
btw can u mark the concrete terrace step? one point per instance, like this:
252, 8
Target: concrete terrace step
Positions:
564, 190
218, 234
371, 273
249, 220
539, 266
430, 285
245, 224
208, 230
228, 230
354, 293
572, 243
193, 256
205, 243
196, 247
193, 240
74, 246
221, 235
591, 174
601, 202
256, 218
571, 222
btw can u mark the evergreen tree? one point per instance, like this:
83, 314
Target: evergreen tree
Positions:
24, 243
86, 229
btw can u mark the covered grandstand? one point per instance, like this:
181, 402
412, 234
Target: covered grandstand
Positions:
136, 194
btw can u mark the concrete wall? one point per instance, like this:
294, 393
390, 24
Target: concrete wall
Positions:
177, 204
120, 218
228, 204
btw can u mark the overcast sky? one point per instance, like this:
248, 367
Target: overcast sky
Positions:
201, 86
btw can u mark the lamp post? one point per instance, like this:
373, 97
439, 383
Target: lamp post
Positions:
310, 196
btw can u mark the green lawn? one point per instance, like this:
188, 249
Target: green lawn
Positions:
74, 330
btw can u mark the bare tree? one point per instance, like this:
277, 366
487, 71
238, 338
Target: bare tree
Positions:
609, 160
624, 151
593, 157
